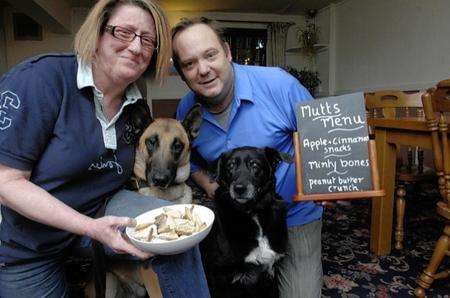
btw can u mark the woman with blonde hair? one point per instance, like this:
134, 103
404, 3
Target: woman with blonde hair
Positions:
67, 141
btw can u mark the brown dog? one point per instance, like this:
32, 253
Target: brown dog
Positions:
162, 157
162, 166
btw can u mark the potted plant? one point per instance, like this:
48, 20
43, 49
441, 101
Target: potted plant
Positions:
308, 36
308, 78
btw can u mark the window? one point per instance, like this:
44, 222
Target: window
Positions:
25, 28
248, 46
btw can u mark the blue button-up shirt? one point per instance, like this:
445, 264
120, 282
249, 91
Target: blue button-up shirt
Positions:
262, 114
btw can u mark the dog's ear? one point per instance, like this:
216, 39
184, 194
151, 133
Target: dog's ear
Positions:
275, 157
139, 117
139, 164
219, 171
193, 121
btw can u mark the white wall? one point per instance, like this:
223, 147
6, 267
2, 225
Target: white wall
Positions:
323, 22
383, 44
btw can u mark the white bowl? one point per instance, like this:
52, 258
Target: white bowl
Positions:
177, 246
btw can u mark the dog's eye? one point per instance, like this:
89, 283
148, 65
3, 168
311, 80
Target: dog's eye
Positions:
177, 146
254, 165
151, 142
231, 165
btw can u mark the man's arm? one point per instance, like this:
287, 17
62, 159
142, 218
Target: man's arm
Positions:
205, 182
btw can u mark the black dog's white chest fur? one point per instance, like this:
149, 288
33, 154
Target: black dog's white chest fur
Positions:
263, 254
244, 247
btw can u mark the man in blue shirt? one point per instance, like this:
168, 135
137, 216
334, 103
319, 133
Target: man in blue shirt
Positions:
249, 106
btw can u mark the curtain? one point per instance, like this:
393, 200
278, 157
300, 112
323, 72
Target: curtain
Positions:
276, 43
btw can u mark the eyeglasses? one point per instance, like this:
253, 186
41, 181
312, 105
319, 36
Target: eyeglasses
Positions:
127, 35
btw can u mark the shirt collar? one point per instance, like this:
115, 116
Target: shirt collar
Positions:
243, 89
86, 79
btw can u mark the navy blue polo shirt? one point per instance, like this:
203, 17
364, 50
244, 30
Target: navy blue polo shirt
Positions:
49, 126
262, 114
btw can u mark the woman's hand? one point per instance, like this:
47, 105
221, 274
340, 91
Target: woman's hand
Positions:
107, 231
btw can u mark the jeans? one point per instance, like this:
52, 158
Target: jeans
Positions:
180, 276
301, 273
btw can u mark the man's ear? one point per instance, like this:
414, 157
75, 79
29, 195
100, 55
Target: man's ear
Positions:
176, 64
275, 157
227, 51
193, 121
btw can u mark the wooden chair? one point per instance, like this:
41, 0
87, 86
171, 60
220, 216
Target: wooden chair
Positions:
436, 103
391, 104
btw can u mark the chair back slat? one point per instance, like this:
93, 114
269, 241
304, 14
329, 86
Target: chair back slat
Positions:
432, 123
441, 97
443, 130
390, 103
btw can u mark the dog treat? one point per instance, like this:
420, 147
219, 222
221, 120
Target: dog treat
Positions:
153, 231
142, 233
171, 224
143, 223
173, 213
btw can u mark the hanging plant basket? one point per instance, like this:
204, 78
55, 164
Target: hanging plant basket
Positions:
308, 37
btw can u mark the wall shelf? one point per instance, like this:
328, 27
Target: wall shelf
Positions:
319, 47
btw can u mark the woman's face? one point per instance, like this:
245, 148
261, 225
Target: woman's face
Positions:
123, 62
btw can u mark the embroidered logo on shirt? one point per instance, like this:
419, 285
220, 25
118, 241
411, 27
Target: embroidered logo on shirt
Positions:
8, 100
106, 163
129, 134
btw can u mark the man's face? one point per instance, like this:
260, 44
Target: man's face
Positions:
205, 64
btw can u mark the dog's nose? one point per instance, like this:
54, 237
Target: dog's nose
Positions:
160, 180
239, 188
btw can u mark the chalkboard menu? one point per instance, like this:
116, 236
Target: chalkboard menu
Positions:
334, 145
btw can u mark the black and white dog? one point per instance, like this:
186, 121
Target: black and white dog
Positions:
249, 234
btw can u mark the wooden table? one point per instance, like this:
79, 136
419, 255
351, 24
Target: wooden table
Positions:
389, 134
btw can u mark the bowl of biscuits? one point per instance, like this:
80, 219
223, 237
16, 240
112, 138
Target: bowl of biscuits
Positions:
172, 229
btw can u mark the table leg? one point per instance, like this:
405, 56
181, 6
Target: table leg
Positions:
382, 207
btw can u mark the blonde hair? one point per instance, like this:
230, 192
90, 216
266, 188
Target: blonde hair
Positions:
86, 39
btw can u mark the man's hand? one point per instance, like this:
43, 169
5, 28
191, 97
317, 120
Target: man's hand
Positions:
203, 180
210, 189
107, 231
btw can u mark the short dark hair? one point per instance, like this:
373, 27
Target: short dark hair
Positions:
184, 24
